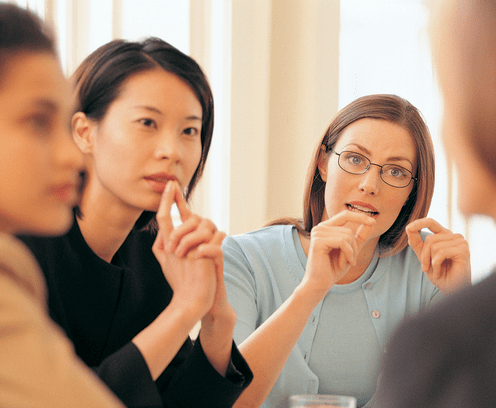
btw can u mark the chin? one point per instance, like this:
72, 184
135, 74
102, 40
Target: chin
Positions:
55, 225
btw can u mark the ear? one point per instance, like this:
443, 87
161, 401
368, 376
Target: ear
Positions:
82, 132
322, 163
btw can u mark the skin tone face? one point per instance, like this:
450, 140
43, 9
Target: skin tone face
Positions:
382, 142
39, 162
476, 187
149, 135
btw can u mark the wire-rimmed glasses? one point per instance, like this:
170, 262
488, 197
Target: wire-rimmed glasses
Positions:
392, 174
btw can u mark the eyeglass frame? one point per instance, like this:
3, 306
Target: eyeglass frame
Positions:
372, 164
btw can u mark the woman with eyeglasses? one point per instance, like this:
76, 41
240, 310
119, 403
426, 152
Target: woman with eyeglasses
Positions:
317, 298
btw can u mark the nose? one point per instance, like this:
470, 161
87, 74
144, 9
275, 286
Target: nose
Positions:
168, 146
371, 180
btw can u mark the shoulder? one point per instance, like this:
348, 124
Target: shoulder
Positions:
19, 265
262, 238
269, 254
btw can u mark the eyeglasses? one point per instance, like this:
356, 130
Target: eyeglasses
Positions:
391, 174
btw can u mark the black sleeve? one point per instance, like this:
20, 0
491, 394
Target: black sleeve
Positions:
198, 384
191, 383
126, 374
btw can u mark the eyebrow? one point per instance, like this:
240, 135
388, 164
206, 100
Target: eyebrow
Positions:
45, 104
389, 159
158, 111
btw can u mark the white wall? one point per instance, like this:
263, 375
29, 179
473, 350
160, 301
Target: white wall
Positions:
284, 91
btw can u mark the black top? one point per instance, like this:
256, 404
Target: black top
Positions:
445, 357
102, 306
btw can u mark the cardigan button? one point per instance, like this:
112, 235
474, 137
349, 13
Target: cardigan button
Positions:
376, 314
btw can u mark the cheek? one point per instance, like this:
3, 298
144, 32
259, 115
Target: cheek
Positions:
192, 157
336, 189
476, 188
394, 203
114, 157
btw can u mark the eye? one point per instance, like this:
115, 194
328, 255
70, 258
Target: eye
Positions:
397, 172
39, 121
354, 159
148, 122
191, 131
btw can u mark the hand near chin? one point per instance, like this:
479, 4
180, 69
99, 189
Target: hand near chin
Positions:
192, 261
334, 248
445, 256
190, 254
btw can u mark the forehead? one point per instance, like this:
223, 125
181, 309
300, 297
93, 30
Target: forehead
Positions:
380, 138
158, 86
30, 77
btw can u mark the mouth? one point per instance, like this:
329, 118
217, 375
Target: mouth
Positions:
362, 209
67, 192
158, 181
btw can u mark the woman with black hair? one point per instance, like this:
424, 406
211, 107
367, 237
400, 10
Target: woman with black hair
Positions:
126, 285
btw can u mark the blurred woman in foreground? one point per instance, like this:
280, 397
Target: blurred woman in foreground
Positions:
39, 181
447, 357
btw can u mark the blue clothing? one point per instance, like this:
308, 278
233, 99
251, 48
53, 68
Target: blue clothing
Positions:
340, 349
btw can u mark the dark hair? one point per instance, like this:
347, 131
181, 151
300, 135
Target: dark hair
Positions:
393, 109
22, 31
99, 79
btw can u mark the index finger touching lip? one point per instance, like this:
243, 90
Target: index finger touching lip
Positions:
163, 213
348, 216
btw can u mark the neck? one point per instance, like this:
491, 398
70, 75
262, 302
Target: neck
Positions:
364, 259
105, 221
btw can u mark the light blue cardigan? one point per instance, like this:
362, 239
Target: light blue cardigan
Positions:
262, 268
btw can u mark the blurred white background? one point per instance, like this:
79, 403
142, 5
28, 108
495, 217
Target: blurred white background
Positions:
280, 70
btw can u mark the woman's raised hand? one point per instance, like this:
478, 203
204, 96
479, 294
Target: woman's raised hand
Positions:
190, 254
192, 260
334, 248
445, 256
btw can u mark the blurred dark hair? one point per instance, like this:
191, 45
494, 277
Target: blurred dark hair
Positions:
22, 31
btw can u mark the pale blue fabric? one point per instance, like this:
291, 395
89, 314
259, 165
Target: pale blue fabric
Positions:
341, 346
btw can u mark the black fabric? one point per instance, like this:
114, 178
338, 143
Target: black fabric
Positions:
445, 357
102, 306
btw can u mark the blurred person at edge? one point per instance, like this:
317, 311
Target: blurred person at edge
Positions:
447, 356
39, 183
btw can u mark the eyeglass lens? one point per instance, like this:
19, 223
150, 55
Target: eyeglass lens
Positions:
355, 163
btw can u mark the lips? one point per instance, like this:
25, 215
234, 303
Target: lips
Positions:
158, 181
66, 192
371, 212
